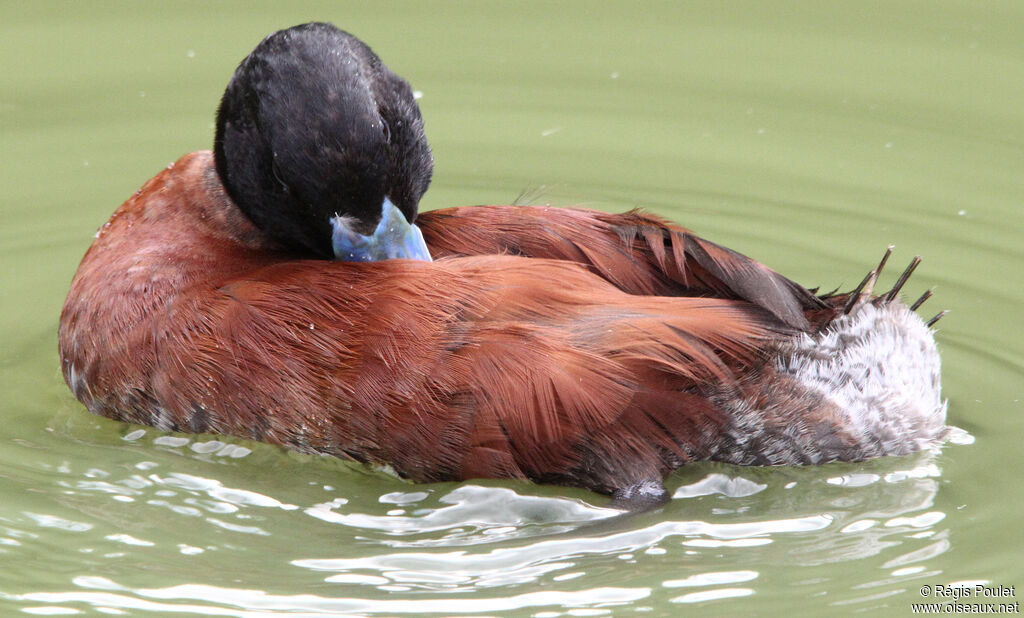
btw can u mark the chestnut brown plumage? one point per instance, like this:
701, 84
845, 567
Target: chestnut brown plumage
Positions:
182, 316
637, 252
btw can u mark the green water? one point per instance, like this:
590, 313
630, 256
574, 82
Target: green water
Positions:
807, 135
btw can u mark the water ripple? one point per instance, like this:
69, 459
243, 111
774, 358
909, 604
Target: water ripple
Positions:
218, 601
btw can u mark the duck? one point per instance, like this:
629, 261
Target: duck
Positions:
284, 288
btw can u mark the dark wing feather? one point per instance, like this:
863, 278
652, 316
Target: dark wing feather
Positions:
638, 252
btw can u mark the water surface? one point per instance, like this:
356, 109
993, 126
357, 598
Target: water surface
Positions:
809, 136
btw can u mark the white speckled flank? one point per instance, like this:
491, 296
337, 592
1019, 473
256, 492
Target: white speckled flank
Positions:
880, 367
867, 385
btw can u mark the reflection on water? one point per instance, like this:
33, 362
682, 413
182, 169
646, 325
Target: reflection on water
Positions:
255, 603
476, 514
498, 548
